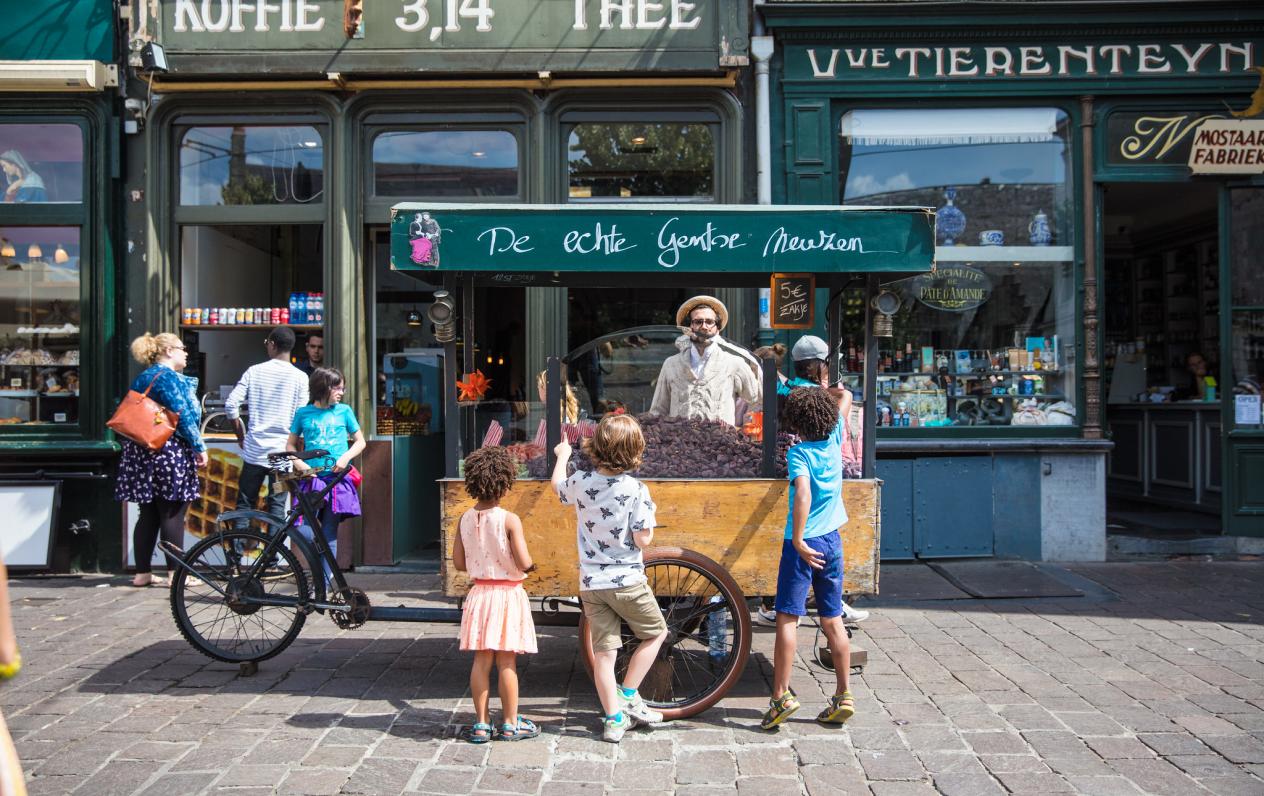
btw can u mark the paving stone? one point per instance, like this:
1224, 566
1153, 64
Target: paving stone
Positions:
241, 775
1010, 764
894, 765
1204, 766
572, 789
1034, 782
380, 777
1112, 748
631, 749
635, 774
996, 742
1103, 786
902, 789
581, 771
768, 786
829, 781
313, 781
1237, 748
774, 762
121, 777
448, 780
1239, 785
188, 782
1156, 776
967, 784
1173, 743
705, 767
510, 779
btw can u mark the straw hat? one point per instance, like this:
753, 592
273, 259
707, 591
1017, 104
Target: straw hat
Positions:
721, 312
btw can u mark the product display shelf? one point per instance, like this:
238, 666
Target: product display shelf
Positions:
1004, 254
213, 327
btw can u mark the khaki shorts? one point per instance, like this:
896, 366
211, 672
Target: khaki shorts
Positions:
607, 608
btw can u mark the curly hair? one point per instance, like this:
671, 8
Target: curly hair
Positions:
149, 348
617, 445
811, 413
490, 473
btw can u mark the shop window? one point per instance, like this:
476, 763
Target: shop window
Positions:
39, 325
42, 163
989, 338
251, 165
627, 161
408, 397
1246, 225
237, 282
446, 163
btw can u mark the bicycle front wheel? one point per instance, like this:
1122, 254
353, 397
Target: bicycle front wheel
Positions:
217, 606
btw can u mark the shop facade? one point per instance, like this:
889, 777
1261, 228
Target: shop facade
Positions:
1048, 367
59, 354
277, 142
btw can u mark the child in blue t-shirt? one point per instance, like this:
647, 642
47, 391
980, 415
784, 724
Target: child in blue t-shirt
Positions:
326, 423
812, 553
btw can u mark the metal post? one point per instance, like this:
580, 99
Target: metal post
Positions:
768, 467
553, 407
870, 384
1092, 366
469, 420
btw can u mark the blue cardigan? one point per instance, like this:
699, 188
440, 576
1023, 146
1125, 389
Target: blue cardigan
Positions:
176, 392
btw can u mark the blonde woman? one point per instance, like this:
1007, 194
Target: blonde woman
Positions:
164, 481
570, 404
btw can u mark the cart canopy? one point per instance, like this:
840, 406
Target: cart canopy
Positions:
661, 238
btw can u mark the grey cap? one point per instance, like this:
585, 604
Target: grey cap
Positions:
809, 347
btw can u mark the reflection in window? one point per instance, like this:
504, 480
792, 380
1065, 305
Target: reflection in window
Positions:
441, 163
1247, 350
989, 339
41, 163
1246, 229
251, 165
39, 325
637, 161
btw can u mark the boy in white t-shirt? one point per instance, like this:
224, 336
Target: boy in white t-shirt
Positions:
615, 521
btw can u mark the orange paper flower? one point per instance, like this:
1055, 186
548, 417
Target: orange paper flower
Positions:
474, 387
754, 428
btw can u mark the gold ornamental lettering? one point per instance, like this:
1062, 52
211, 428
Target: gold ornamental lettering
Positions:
1159, 134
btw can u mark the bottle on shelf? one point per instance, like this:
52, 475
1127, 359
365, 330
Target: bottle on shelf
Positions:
293, 309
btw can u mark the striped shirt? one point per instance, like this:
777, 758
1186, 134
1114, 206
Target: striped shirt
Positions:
272, 391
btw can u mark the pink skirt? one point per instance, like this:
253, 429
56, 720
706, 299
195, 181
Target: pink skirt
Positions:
497, 617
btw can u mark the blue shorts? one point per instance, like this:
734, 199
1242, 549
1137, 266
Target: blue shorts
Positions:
794, 577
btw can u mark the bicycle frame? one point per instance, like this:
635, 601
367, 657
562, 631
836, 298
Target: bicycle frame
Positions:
315, 552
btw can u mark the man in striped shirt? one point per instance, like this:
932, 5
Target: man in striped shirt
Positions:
272, 391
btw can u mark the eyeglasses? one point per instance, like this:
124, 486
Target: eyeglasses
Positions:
702, 322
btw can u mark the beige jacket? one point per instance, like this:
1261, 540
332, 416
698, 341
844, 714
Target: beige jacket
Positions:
725, 376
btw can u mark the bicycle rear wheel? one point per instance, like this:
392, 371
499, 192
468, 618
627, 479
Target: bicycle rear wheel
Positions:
231, 626
709, 633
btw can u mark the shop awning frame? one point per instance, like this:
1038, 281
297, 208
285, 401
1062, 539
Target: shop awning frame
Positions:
660, 238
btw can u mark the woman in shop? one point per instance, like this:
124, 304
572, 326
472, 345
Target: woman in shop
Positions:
22, 183
162, 482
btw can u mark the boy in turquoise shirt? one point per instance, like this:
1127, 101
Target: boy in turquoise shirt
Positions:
812, 552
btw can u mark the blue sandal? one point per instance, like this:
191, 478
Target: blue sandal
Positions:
479, 733
526, 728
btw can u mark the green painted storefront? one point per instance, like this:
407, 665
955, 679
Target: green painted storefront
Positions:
1115, 95
60, 310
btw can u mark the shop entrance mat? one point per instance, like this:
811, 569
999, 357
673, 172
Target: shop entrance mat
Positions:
1002, 579
916, 581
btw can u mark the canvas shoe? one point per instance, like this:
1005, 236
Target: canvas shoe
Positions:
852, 615
612, 730
765, 617
640, 712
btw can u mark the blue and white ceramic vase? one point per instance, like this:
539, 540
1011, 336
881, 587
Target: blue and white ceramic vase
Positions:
950, 222
1038, 231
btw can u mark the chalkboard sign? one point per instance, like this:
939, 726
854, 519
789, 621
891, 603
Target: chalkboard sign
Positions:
793, 300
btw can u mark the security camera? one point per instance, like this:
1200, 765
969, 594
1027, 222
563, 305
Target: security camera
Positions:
134, 106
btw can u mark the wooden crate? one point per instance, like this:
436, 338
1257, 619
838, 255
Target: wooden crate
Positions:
739, 523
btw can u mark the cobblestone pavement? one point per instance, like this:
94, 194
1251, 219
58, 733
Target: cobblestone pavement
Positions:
1160, 690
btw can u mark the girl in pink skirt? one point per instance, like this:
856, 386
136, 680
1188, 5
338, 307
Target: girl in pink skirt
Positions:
496, 621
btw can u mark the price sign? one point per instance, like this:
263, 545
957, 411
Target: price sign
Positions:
793, 301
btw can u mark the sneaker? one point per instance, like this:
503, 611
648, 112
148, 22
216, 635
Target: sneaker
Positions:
854, 614
640, 712
779, 710
765, 617
612, 730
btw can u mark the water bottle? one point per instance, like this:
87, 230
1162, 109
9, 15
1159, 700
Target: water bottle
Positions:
300, 304
293, 314
718, 630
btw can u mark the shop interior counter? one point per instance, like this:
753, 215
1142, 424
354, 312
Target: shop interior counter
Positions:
1167, 453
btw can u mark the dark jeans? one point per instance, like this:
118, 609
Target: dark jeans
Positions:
163, 516
329, 522
248, 483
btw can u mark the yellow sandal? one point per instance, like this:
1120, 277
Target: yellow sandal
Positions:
841, 707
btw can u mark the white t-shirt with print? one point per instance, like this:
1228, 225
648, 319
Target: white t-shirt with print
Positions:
609, 509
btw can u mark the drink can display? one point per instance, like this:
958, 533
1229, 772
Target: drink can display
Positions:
195, 315
285, 316
186, 315
262, 314
250, 315
214, 317
276, 316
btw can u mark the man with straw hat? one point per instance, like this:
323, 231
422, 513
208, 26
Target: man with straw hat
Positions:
703, 380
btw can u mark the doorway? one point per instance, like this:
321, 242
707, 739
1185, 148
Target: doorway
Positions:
1161, 333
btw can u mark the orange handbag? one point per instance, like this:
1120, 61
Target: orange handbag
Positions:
143, 420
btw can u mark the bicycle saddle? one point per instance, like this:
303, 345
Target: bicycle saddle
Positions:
281, 456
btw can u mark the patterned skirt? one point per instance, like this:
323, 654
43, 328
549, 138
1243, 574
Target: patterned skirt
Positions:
169, 473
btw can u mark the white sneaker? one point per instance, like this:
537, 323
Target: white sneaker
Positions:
854, 614
612, 730
766, 617
638, 710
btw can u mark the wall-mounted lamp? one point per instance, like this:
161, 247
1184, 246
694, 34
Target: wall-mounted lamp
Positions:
60, 255
34, 252
413, 318
7, 250
442, 314
153, 58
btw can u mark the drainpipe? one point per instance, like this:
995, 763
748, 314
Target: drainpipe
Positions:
762, 50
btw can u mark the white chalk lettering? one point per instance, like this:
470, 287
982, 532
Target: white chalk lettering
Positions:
680, 11
612, 242
780, 242
187, 18
671, 245
497, 245
305, 7
581, 16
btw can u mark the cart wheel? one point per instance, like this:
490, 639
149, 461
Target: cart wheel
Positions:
709, 633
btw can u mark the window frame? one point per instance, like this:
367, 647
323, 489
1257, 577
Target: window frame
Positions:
1075, 189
